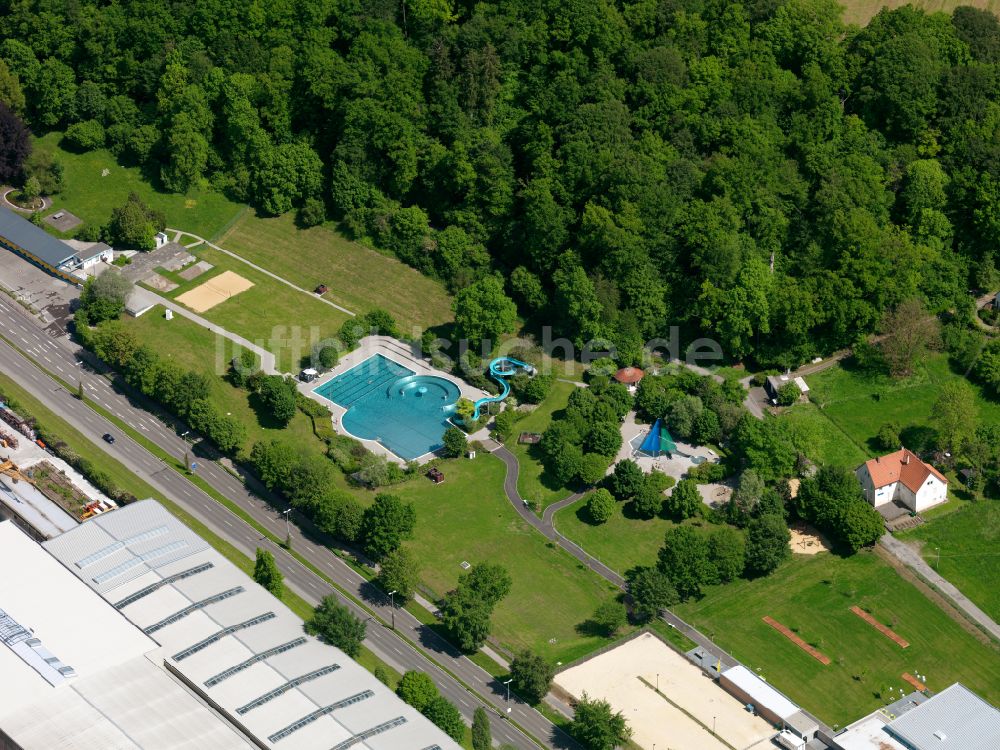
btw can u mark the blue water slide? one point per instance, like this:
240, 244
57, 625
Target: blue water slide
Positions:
501, 368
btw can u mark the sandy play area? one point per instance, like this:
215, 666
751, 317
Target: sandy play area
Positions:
623, 677
806, 540
214, 291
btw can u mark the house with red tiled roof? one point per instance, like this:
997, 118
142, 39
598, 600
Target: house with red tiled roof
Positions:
902, 477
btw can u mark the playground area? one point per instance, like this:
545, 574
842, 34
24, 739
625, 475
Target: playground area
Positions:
653, 447
214, 291
806, 540
667, 700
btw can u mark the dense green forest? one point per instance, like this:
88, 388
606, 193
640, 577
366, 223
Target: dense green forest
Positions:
759, 172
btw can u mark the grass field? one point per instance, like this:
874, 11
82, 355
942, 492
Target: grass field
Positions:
551, 595
813, 594
194, 348
91, 195
270, 314
833, 446
359, 278
969, 540
533, 483
621, 543
858, 404
861, 11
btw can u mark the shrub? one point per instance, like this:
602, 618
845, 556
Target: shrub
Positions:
600, 506
455, 443
85, 136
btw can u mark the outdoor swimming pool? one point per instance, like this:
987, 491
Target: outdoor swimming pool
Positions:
389, 403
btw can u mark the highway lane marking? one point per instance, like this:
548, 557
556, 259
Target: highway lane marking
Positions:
409, 653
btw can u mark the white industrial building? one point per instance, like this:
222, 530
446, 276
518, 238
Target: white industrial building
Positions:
954, 719
222, 641
75, 674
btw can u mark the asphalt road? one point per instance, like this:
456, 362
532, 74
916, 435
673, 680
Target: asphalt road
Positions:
61, 357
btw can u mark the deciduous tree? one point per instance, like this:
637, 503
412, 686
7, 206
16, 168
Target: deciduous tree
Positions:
267, 574
597, 726
532, 675
336, 624
387, 523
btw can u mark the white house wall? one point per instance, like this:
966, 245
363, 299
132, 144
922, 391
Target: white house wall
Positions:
934, 491
876, 497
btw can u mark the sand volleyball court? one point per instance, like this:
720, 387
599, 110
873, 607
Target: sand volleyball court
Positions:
214, 291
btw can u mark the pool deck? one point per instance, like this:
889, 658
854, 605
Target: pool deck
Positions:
399, 352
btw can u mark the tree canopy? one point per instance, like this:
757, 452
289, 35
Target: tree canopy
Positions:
622, 166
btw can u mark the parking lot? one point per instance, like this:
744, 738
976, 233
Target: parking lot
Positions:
37, 289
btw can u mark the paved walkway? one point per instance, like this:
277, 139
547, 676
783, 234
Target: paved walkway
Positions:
547, 528
266, 358
544, 524
911, 558
178, 233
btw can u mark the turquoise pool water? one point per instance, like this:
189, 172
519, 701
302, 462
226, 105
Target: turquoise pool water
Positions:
389, 403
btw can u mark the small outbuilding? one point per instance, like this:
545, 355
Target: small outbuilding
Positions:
308, 375
775, 383
435, 475
629, 376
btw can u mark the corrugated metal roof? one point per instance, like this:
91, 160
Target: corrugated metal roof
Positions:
762, 694
35, 240
954, 719
118, 697
245, 652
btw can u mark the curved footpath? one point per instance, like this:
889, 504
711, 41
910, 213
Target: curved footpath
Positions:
545, 526
413, 645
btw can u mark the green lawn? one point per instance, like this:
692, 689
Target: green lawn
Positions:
359, 278
858, 404
270, 314
196, 348
91, 195
621, 543
969, 540
533, 483
833, 446
468, 518
814, 594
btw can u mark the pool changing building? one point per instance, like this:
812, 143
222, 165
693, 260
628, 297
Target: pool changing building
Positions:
214, 637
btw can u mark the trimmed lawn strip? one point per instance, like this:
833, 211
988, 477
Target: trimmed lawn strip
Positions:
197, 348
620, 543
91, 195
533, 484
359, 278
969, 540
670, 634
813, 595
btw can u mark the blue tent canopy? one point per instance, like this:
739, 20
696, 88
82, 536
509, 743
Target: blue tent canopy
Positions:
658, 441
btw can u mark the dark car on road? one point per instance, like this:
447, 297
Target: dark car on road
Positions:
109, 438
